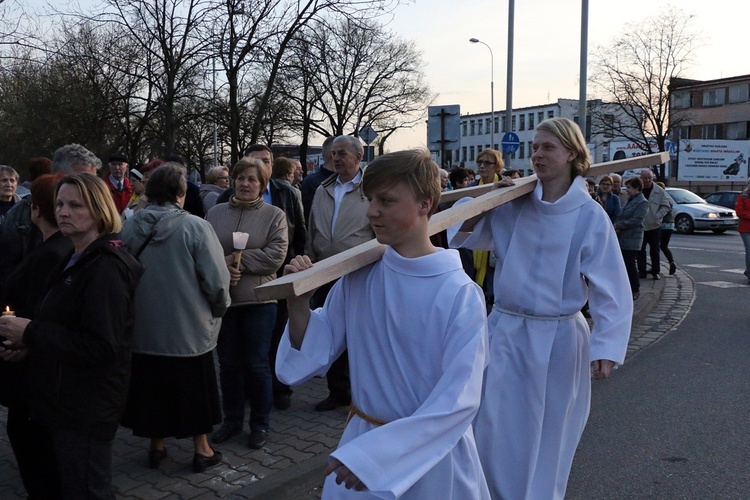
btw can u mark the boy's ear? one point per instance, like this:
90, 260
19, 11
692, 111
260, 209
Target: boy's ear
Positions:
425, 206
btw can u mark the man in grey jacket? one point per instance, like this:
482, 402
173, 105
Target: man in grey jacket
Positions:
658, 206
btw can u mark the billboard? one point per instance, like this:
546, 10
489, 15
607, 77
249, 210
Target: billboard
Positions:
713, 160
620, 150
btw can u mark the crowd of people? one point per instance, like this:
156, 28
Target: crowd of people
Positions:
122, 286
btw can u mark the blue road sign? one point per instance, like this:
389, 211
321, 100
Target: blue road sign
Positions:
510, 142
672, 148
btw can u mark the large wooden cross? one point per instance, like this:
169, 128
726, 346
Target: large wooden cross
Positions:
485, 199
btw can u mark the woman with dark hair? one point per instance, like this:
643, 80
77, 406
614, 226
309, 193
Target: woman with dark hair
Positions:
26, 287
609, 201
173, 390
79, 340
245, 337
629, 228
459, 177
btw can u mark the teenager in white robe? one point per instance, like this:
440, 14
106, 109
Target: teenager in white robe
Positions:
415, 327
537, 390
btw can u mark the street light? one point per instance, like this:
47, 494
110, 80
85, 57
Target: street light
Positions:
492, 90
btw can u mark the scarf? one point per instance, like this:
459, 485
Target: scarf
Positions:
253, 205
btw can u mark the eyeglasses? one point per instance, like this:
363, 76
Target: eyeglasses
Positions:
483, 162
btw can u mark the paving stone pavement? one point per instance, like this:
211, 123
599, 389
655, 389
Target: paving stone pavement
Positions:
290, 466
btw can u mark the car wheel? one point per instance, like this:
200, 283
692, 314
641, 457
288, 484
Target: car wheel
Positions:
719, 231
683, 223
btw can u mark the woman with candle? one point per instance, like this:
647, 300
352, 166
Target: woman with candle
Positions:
173, 390
79, 340
26, 287
245, 337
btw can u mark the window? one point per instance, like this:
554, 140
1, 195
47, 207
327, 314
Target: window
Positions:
609, 125
463, 126
513, 123
497, 124
488, 125
528, 145
521, 122
681, 100
479, 126
455, 156
739, 93
472, 126
737, 130
531, 121
550, 113
713, 97
540, 116
471, 153
495, 147
521, 151
681, 133
712, 132
463, 153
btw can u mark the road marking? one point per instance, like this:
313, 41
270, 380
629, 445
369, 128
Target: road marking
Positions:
736, 271
700, 266
721, 284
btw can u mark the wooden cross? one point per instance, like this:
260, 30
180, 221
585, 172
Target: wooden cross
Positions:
485, 199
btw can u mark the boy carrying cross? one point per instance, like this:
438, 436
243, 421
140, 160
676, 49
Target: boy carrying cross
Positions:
415, 327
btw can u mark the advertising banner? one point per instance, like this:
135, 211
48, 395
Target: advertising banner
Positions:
713, 160
619, 150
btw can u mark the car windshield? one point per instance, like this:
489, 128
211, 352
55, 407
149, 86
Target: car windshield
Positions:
683, 196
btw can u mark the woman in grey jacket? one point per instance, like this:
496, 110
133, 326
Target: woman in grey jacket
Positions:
629, 228
245, 338
179, 304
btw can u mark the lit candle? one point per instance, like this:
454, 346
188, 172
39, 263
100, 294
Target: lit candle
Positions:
8, 312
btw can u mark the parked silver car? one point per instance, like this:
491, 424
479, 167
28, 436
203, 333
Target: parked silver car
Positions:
691, 212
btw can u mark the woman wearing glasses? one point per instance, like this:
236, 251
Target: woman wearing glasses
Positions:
609, 201
217, 181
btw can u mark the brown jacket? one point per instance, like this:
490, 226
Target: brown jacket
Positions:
352, 224
266, 245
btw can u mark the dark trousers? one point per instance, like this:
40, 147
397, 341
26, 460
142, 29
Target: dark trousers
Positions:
84, 464
338, 374
243, 347
282, 316
629, 257
651, 238
664, 244
34, 455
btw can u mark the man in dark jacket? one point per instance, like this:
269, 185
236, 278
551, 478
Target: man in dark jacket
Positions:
312, 181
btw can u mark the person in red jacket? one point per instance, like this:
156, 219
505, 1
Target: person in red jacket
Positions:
117, 181
742, 207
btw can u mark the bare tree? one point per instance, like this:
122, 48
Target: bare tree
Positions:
362, 75
634, 72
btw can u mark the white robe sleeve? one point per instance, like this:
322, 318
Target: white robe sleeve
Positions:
390, 459
610, 299
480, 238
325, 340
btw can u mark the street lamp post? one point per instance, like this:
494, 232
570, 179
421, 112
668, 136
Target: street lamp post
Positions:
492, 90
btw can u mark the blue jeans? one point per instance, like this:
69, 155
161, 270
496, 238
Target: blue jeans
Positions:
243, 346
746, 241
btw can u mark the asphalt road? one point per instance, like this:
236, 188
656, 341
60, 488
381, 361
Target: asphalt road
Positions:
674, 422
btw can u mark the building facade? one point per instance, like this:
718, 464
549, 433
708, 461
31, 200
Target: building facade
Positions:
477, 129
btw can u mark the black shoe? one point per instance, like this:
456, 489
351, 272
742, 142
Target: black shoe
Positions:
657, 276
257, 439
331, 403
201, 462
282, 401
226, 432
155, 457
672, 268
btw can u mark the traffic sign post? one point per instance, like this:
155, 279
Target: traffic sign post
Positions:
368, 134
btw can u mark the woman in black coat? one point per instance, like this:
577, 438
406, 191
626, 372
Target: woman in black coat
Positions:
79, 340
